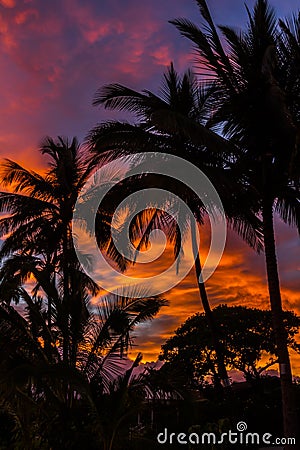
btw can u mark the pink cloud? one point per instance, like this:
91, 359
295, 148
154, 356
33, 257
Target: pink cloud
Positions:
24, 16
8, 40
162, 55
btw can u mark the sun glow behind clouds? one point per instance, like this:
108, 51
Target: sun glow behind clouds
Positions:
239, 280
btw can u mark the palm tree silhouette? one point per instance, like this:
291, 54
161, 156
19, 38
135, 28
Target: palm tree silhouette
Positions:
254, 75
35, 380
59, 352
174, 122
38, 224
39, 218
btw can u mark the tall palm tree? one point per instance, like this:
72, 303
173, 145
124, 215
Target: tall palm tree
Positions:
39, 218
174, 123
58, 351
37, 226
254, 74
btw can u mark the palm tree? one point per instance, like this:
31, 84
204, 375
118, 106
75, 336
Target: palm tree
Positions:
59, 347
39, 391
38, 228
174, 123
39, 212
255, 77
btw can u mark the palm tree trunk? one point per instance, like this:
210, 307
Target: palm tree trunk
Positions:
290, 421
222, 372
66, 294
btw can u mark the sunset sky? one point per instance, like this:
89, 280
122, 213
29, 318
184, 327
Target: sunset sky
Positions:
53, 57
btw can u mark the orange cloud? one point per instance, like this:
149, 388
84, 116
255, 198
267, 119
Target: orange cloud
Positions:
239, 280
8, 3
23, 16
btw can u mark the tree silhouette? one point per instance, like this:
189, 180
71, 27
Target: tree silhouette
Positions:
251, 120
173, 123
256, 110
246, 334
57, 346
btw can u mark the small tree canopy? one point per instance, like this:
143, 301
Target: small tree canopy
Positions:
247, 337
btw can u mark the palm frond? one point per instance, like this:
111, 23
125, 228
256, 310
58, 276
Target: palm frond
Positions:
24, 180
288, 207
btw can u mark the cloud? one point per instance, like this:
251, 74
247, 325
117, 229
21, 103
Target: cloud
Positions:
239, 280
54, 55
8, 3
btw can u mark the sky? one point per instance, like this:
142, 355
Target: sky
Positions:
55, 54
